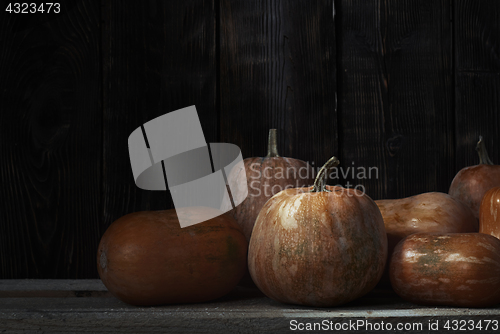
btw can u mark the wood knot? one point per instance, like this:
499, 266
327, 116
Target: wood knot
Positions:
394, 144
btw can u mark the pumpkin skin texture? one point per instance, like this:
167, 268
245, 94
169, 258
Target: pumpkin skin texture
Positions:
432, 212
318, 248
453, 269
489, 213
471, 183
266, 177
146, 258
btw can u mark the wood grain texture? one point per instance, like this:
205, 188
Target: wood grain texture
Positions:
243, 310
477, 113
159, 56
50, 143
396, 107
477, 35
52, 288
416, 83
278, 70
477, 72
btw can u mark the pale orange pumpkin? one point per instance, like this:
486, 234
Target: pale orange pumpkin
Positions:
266, 177
318, 246
428, 212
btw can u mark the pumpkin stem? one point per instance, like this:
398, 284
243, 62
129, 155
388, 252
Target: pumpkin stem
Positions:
272, 149
484, 159
320, 181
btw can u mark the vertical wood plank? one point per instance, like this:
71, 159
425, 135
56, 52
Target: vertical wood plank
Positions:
159, 56
278, 70
396, 107
477, 73
50, 143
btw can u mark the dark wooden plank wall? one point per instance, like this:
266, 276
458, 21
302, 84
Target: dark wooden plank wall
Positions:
477, 69
158, 57
50, 143
278, 70
404, 86
396, 87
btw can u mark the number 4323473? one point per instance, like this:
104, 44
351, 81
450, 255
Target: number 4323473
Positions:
31, 8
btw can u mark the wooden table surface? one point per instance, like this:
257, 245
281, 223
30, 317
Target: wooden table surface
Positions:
36, 306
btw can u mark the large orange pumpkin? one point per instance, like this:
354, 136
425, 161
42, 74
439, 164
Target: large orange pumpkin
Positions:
146, 258
319, 245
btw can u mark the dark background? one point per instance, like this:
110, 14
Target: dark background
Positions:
405, 86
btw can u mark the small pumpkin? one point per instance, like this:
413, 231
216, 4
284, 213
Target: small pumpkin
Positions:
489, 213
265, 177
453, 269
427, 212
471, 183
318, 246
146, 258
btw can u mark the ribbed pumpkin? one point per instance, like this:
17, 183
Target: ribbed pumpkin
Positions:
265, 177
471, 183
146, 258
489, 213
318, 246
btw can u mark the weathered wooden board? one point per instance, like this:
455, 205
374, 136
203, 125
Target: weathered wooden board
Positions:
158, 56
244, 310
396, 83
278, 70
405, 86
50, 142
52, 288
477, 71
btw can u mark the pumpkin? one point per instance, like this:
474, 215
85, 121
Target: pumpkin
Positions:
471, 183
489, 213
318, 246
453, 269
427, 212
265, 177
146, 258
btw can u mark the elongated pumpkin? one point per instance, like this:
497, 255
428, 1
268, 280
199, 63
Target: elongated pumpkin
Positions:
432, 212
453, 269
318, 246
146, 258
